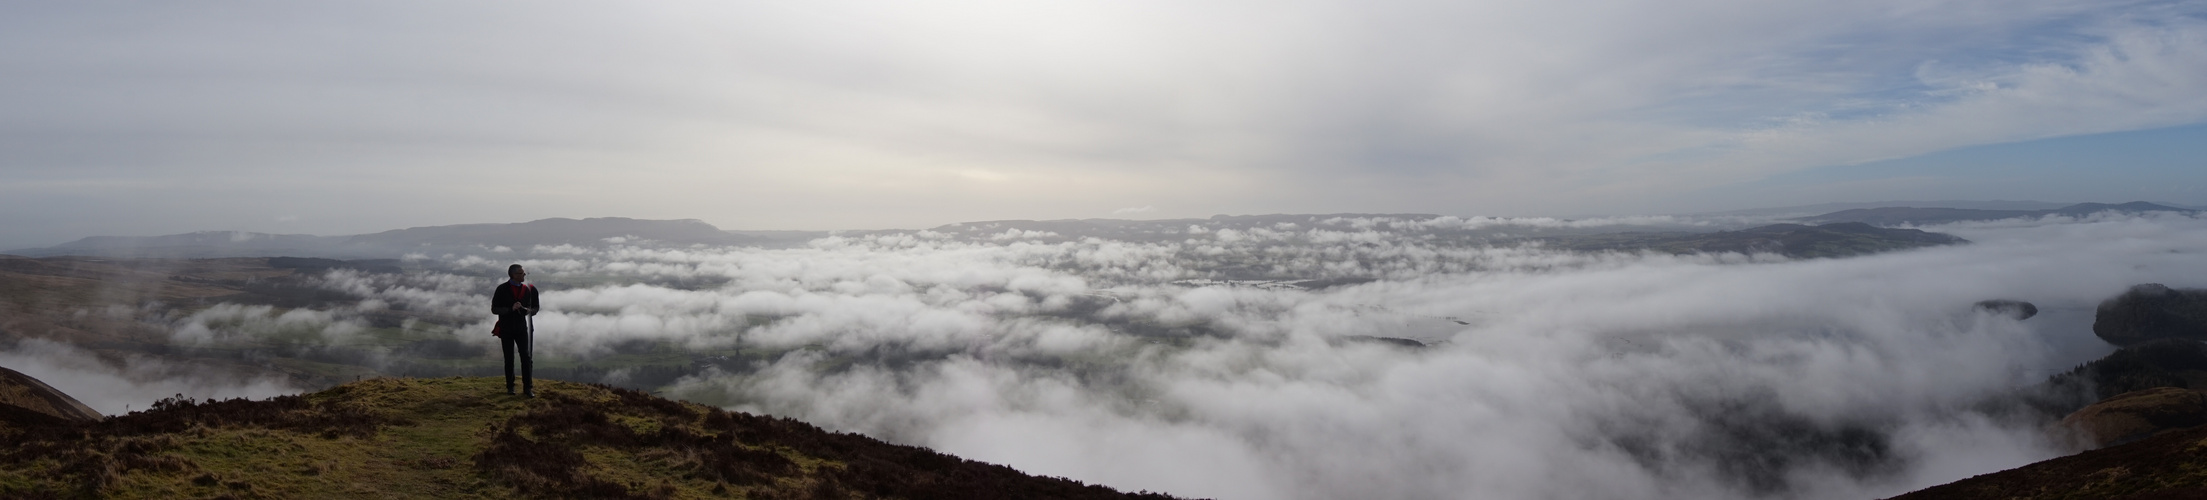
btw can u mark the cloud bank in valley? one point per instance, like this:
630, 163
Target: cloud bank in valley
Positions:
115, 386
1201, 363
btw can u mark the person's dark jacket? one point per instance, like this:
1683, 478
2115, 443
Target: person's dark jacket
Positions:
510, 318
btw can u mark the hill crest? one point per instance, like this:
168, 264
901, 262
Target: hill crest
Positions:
465, 438
1891, 216
30, 393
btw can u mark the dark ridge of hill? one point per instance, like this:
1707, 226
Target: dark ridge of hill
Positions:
1393, 341
602, 232
2135, 207
1160, 230
2152, 311
2017, 309
1835, 207
29, 393
2160, 363
1792, 240
465, 438
554, 232
2167, 466
1893, 216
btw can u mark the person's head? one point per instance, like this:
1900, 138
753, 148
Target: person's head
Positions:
515, 273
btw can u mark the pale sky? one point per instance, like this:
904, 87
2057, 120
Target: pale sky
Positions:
142, 118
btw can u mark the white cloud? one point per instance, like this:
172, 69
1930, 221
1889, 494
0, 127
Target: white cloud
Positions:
1550, 374
232, 323
1061, 359
115, 386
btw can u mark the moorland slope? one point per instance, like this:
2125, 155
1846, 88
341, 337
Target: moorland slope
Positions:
465, 438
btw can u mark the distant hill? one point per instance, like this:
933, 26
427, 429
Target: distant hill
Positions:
2159, 363
1659, 233
594, 232
1791, 240
1154, 230
465, 438
602, 232
2152, 311
584, 232
1834, 207
1894, 216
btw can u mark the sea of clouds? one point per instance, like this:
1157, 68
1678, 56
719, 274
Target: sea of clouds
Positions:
1162, 365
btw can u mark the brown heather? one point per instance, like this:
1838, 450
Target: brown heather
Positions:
465, 438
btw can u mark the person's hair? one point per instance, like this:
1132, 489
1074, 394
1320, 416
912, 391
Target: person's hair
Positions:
512, 268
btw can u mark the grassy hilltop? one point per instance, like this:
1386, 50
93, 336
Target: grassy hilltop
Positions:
465, 438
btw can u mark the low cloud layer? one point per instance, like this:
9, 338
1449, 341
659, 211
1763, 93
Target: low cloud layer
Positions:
1159, 363
124, 383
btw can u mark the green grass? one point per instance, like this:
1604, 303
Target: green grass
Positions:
465, 438
428, 459
427, 451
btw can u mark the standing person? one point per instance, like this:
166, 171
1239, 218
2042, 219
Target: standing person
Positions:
514, 302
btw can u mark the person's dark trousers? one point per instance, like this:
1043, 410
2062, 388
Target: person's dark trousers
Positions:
511, 343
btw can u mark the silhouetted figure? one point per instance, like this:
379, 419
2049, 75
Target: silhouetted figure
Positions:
514, 302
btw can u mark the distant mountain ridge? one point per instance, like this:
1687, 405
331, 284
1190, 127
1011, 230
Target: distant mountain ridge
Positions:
1834, 207
1651, 233
1893, 216
1838, 239
592, 232
605, 231
1156, 230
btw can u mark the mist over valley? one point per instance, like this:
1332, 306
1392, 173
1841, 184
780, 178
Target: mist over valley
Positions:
1278, 356
991, 249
